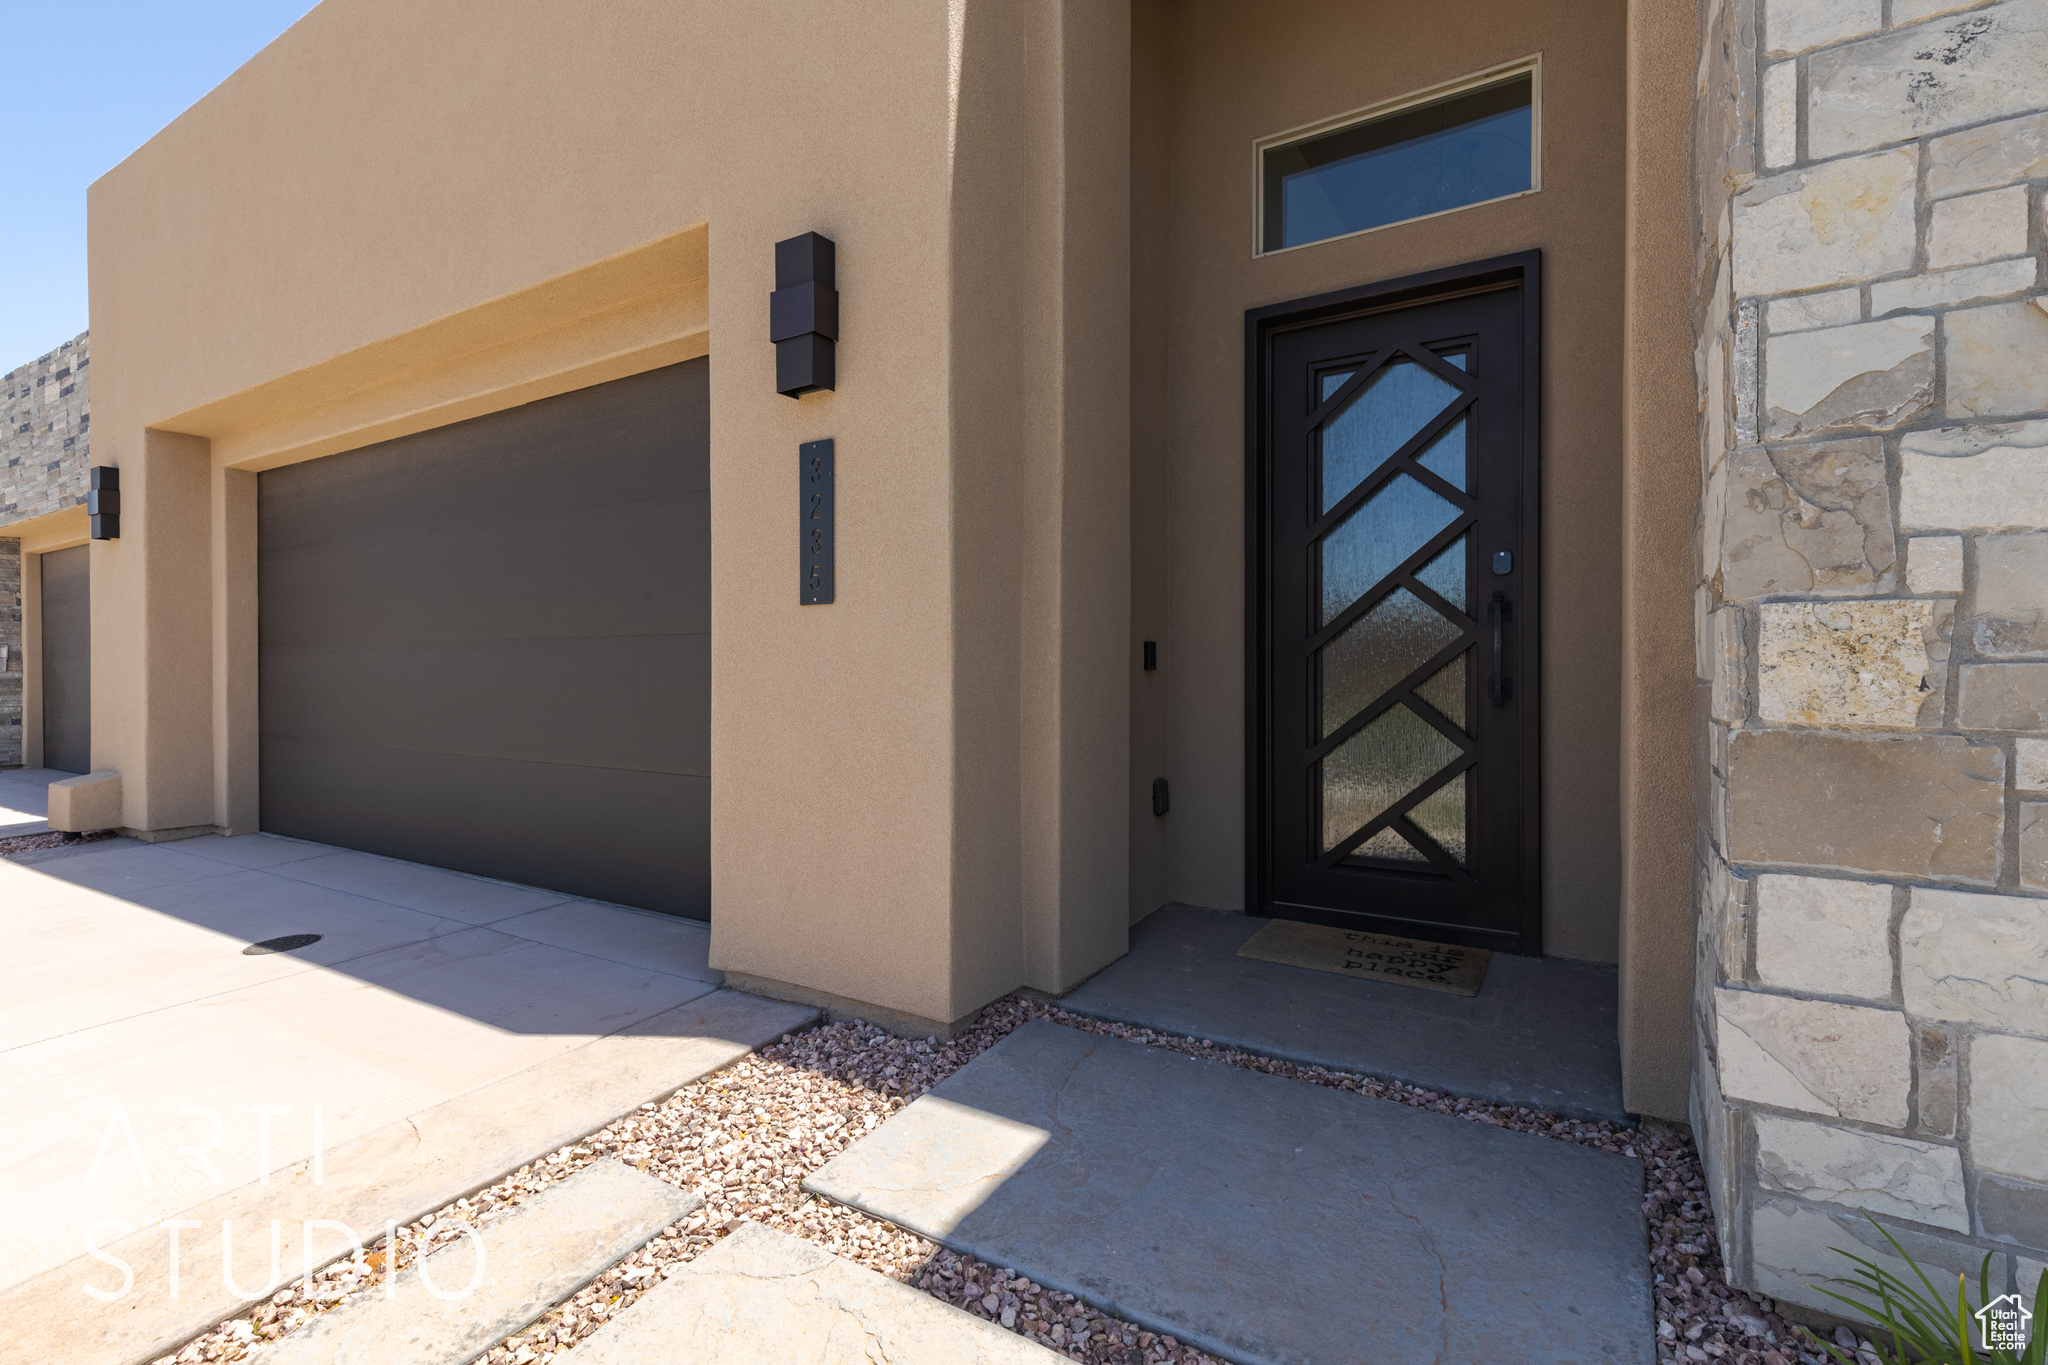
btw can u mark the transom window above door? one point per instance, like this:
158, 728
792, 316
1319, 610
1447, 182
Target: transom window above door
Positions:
1471, 141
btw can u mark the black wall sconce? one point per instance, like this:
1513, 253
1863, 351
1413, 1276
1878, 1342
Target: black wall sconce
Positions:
803, 315
103, 502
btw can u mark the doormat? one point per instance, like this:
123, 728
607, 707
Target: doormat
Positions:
1404, 961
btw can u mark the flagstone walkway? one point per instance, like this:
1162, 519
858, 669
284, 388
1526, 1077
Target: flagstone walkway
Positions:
762, 1297
1260, 1218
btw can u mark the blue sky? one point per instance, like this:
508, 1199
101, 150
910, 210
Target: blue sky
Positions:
82, 84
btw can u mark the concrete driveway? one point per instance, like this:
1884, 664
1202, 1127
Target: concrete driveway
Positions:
442, 1031
25, 800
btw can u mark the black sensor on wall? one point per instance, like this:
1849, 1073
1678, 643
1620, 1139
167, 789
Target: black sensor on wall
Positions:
803, 315
103, 502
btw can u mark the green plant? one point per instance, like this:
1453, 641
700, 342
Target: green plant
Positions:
1921, 1327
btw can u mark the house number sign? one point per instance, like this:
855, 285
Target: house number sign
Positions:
814, 483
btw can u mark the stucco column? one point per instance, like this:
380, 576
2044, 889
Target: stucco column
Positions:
1074, 608
236, 722
958, 720
1660, 492
152, 674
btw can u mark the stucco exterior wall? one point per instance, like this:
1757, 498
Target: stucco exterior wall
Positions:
1873, 905
1213, 77
1660, 490
599, 194
935, 789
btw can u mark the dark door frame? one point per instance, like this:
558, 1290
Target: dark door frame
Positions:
1522, 270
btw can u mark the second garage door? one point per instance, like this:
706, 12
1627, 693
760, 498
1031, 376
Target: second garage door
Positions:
487, 646
67, 659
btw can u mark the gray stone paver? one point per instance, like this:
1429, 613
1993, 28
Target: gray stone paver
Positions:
1540, 1033
1261, 1218
533, 1258
761, 1297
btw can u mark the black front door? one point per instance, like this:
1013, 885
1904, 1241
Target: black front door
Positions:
1394, 612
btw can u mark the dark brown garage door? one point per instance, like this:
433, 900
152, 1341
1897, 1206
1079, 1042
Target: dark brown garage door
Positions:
487, 646
67, 660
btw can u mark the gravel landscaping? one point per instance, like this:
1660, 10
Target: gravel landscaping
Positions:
747, 1136
29, 843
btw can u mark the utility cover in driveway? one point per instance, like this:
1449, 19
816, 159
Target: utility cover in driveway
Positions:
1262, 1218
487, 646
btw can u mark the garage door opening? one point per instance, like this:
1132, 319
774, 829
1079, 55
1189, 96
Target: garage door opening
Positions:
66, 615
487, 646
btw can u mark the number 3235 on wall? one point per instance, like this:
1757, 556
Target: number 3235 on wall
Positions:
814, 480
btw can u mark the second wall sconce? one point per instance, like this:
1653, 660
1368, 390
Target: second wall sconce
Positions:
803, 315
103, 502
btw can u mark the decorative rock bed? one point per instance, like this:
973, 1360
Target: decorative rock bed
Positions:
33, 843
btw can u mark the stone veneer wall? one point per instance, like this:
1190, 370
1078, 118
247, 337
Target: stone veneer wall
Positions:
1873, 626
45, 420
44, 455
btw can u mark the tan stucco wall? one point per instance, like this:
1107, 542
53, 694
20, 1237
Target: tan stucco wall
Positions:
937, 788
1214, 75
1151, 501
399, 215
1661, 492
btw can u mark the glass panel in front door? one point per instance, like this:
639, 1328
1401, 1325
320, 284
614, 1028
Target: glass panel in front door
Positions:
1381, 769
1396, 778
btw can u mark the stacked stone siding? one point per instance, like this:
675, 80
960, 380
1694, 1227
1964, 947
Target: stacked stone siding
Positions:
44, 456
45, 423
1873, 628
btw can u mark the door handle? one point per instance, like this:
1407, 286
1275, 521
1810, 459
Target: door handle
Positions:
1499, 687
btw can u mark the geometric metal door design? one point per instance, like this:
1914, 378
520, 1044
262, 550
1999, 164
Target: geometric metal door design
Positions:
1394, 478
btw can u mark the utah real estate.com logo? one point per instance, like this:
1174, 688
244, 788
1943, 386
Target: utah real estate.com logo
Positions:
2004, 1321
